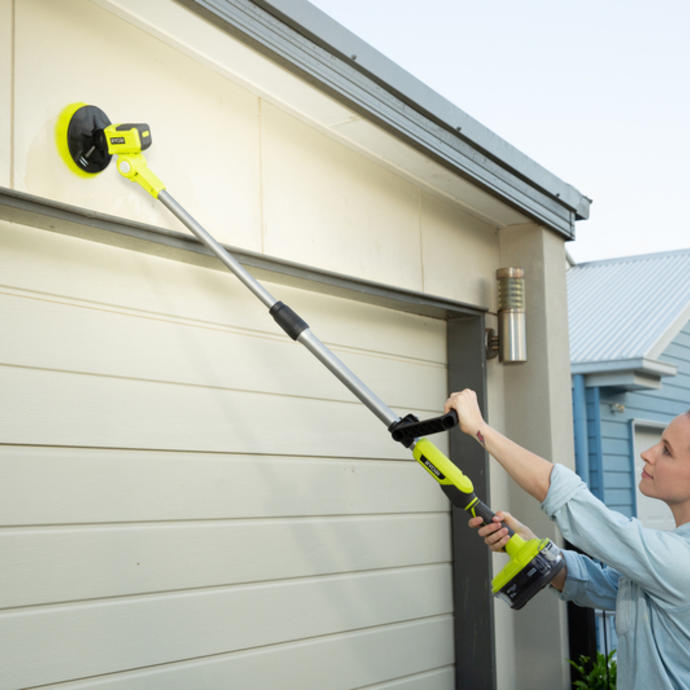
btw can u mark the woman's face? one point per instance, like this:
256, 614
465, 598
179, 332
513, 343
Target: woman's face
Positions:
666, 473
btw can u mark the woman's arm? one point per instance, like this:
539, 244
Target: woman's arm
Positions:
658, 561
530, 471
582, 580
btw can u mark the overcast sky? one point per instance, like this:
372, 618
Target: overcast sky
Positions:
595, 91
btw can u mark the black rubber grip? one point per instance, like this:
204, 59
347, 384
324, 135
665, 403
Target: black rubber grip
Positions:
480, 509
457, 497
288, 320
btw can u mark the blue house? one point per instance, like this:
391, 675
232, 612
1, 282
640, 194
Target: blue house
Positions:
629, 321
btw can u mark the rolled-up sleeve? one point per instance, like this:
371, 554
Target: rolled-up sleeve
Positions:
589, 583
658, 561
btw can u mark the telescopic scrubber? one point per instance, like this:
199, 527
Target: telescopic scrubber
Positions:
87, 140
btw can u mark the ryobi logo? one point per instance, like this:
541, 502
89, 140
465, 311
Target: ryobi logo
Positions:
117, 140
432, 468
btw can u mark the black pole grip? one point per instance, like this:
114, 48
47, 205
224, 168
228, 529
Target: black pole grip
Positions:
480, 509
291, 322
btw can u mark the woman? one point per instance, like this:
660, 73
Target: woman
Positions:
646, 572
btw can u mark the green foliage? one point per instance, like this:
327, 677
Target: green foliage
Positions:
600, 675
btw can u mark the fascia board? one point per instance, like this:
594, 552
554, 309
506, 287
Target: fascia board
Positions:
669, 334
639, 366
626, 380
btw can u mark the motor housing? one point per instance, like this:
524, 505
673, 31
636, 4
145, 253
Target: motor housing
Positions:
532, 566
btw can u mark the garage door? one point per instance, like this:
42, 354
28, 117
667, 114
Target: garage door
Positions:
650, 511
189, 500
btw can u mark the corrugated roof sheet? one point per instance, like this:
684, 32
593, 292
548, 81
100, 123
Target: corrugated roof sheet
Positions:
619, 308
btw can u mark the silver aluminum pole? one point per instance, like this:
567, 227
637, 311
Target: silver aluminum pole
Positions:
217, 248
336, 366
305, 336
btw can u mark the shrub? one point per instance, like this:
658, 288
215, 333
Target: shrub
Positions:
599, 675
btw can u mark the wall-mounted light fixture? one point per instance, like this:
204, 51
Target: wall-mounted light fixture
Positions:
511, 342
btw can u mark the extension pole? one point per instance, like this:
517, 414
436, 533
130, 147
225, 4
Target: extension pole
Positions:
284, 316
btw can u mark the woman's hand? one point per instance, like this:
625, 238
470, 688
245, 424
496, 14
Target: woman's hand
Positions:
495, 535
469, 415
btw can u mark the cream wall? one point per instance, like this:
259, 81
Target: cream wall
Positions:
205, 128
6, 45
257, 176
328, 206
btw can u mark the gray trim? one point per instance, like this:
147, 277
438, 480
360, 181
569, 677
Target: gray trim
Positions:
307, 42
35, 211
475, 653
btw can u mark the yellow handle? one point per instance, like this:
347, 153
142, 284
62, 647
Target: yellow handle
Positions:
135, 168
441, 468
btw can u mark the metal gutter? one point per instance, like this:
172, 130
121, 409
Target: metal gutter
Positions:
47, 214
306, 41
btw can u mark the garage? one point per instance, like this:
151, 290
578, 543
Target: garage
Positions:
185, 483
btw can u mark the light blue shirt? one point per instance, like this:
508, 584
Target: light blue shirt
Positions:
646, 580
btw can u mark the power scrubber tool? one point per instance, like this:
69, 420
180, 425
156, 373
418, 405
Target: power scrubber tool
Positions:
87, 140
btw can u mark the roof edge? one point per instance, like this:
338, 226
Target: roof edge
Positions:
304, 40
627, 374
627, 258
667, 337
312, 22
639, 365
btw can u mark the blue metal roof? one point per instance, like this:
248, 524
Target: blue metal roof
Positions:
620, 309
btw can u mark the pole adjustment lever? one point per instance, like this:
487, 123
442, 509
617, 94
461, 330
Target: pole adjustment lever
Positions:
407, 429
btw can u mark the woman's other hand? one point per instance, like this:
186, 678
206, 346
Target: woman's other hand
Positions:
495, 535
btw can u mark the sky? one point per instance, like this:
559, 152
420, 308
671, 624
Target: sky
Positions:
595, 91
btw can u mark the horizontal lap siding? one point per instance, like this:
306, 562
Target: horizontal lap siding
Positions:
189, 499
116, 560
334, 662
106, 636
122, 413
116, 485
